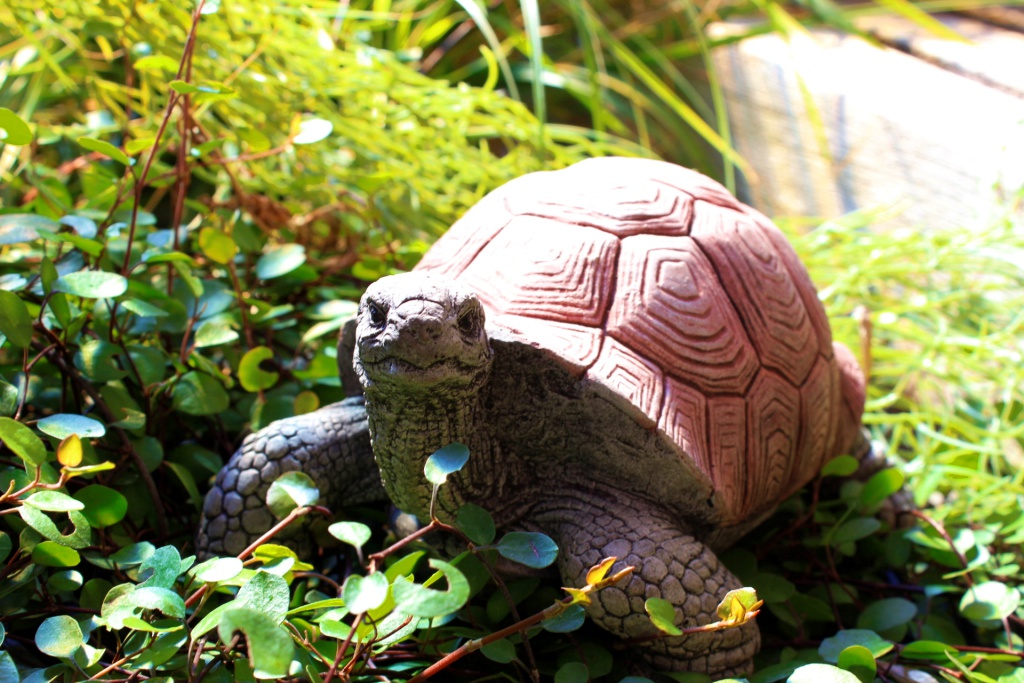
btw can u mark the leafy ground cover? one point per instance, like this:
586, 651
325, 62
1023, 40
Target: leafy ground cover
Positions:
190, 201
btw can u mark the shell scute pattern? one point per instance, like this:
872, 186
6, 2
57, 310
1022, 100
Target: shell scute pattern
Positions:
690, 310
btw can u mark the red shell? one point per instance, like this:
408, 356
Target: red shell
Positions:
653, 281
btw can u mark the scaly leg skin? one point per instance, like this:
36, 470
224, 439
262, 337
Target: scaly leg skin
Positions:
331, 445
670, 563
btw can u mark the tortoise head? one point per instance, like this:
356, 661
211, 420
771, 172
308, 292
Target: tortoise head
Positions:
421, 333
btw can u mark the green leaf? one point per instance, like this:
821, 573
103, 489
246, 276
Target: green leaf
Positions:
104, 148
855, 530
569, 620
445, 461
50, 554
334, 628
8, 669
17, 131
15, 320
419, 601
22, 441
59, 636
217, 569
267, 593
280, 260
144, 309
530, 548
183, 87
16, 228
214, 333
830, 648
291, 490
92, 284
270, 646
353, 533
821, 673
663, 615
53, 501
161, 569
572, 672
8, 398
65, 581
885, 614
476, 523
156, 63
843, 466
313, 130
500, 651
96, 357
137, 624
251, 375
161, 599
197, 393
364, 593
305, 402
79, 538
5, 546
63, 425
932, 650
990, 601
880, 486
103, 506
859, 661
217, 245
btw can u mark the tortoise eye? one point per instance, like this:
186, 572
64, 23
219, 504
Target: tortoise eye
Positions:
469, 321
376, 313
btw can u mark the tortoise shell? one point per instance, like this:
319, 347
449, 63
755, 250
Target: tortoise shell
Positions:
652, 281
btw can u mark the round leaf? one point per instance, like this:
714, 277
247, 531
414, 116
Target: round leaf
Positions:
103, 506
859, 661
217, 246
364, 593
500, 651
880, 486
476, 523
855, 530
197, 393
92, 284
885, 614
291, 490
280, 261
15, 320
989, 601
270, 646
663, 615
69, 451
50, 554
569, 620
821, 673
63, 425
843, 466
305, 402
830, 648
572, 672
17, 131
445, 461
214, 333
532, 549
104, 148
313, 130
22, 441
218, 569
251, 375
353, 533
53, 501
59, 636
267, 593
419, 601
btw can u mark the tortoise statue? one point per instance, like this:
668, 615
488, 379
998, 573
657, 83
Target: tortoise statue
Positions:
638, 363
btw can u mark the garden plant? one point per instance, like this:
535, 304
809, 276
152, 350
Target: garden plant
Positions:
193, 196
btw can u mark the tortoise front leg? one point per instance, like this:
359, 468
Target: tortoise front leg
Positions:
670, 563
331, 445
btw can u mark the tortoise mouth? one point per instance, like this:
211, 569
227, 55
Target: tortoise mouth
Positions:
391, 368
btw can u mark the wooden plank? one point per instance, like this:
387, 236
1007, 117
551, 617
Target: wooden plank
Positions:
926, 137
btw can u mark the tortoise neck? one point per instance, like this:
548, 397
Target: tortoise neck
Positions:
406, 430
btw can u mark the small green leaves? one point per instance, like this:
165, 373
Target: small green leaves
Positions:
103, 506
880, 486
16, 131
445, 461
830, 648
364, 593
989, 602
22, 441
821, 673
354, 533
535, 550
15, 320
104, 148
53, 501
476, 523
217, 569
92, 284
280, 260
251, 375
312, 130
217, 246
662, 615
566, 622
886, 614
50, 554
197, 393
59, 636
412, 598
843, 466
859, 661
270, 647
63, 425
291, 490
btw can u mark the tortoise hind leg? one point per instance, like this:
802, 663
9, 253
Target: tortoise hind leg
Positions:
670, 563
331, 445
